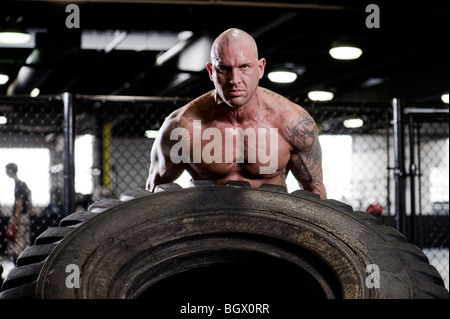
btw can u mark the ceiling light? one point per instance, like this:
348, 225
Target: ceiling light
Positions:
14, 37
166, 56
444, 98
372, 82
3, 79
353, 123
3, 120
344, 51
35, 92
184, 35
282, 76
151, 134
320, 95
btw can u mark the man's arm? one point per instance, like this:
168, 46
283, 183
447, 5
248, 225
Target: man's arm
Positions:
162, 169
306, 157
18, 208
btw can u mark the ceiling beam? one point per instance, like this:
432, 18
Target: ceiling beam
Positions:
259, 4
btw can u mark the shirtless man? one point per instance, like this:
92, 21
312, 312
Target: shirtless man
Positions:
270, 135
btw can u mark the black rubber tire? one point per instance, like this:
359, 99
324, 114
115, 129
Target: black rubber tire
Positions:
198, 243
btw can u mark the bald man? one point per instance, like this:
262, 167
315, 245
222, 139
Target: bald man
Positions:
238, 131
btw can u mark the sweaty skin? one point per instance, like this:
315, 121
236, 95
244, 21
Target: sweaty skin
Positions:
237, 102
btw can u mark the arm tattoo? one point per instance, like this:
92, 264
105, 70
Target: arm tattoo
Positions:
306, 163
301, 132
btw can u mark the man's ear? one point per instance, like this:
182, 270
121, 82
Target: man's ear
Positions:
261, 67
209, 67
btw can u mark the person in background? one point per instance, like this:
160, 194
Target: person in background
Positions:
20, 215
1, 278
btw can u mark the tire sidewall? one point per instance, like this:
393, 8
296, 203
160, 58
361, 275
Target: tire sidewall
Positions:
119, 249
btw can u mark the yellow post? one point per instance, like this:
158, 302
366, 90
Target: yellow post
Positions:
106, 164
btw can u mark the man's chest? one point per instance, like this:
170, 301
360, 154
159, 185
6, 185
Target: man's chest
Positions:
256, 147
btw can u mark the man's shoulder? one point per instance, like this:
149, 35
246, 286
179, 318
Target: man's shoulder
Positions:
22, 187
184, 116
200, 108
281, 105
22, 184
269, 94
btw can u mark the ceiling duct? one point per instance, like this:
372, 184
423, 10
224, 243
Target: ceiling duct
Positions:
50, 49
190, 56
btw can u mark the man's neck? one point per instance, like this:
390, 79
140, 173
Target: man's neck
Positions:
248, 112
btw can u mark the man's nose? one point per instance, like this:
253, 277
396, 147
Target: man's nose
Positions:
235, 77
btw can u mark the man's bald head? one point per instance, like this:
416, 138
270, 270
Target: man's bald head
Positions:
233, 37
235, 67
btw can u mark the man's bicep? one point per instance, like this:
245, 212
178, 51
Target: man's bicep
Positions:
307, 169
301, 132
306, 157
162, 168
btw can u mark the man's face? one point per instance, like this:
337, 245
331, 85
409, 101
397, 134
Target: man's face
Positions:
235, 72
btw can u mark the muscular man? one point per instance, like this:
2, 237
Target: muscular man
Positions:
238, 131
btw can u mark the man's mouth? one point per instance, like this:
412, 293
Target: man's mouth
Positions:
235, 92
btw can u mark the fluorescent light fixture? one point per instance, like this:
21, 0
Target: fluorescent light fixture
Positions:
3, 79
184, 35
320, 95
282, 76
134, 40
119, 36
14, 37
35, 92
372, 82
353, 123
151, 134
345, 52
3, 120
177, 48
444, 98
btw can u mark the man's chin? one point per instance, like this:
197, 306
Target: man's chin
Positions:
236, 102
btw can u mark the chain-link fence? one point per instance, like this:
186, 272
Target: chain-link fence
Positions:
109, 140
428, 162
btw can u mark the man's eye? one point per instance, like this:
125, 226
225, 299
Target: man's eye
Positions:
223, 69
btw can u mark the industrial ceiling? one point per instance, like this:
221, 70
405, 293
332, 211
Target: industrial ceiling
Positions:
124, 47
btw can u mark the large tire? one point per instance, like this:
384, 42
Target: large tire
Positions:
198, 243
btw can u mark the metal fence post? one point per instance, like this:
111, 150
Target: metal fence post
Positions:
412, 178
399, 169
69, 160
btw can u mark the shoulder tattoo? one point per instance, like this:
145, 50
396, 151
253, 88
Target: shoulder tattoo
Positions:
302, 132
